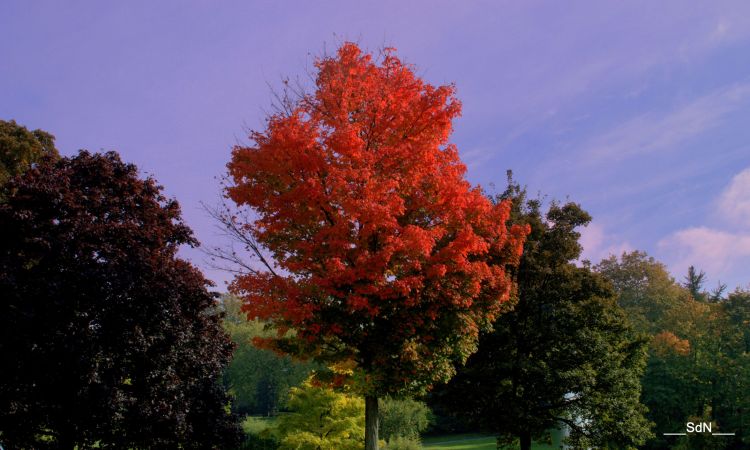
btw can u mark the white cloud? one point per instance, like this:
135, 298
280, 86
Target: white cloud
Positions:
715, 251
721, 252
591, 239
650, 132
597, 244
721, 31
734, 202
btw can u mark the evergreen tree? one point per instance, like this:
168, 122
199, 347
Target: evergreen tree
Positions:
694, 283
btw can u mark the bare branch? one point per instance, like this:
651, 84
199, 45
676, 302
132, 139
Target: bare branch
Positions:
231, 226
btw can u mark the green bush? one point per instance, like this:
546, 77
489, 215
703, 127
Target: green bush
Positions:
320, 418
259, 433
405, 418
403, 443
257, 425
256, 378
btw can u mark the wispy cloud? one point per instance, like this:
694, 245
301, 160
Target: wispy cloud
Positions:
734, 202
477, 156
721, 251
652, 132
597, 244
716, 251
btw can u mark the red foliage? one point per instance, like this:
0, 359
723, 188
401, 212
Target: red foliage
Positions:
386, 254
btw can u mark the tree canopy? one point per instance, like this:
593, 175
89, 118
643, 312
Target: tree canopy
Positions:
382, 254
257, 379
20, 148
322, 419
699, 359
694, 283
403, 418
644, 288
108, 337
564, 355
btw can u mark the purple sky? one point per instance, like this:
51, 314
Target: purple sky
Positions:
637, 110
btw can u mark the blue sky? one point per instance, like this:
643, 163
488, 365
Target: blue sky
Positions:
637, 110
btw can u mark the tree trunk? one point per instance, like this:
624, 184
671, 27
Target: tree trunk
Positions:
525, 441
371, 422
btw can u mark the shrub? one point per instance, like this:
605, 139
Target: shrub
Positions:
403, 443
404, 418
322, 419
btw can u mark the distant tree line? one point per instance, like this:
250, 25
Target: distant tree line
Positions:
699, 351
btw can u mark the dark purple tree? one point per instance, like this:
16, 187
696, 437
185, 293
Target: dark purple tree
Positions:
107, 336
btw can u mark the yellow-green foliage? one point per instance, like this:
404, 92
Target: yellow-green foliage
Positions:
19, 148
322, 419
258, 425
403, 418
403, 443
257, 379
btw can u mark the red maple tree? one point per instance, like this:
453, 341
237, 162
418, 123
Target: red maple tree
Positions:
384, 256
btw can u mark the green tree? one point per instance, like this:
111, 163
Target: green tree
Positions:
565, 354
732, 399
661, 308
322, 419
644, 288
697, 365
403, 443
257, 379
738, 310
405, 418
20, 148
694, 281
107, 336
717, 294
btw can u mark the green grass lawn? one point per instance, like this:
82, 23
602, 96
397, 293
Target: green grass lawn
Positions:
256, 424
460, 442
468, 442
